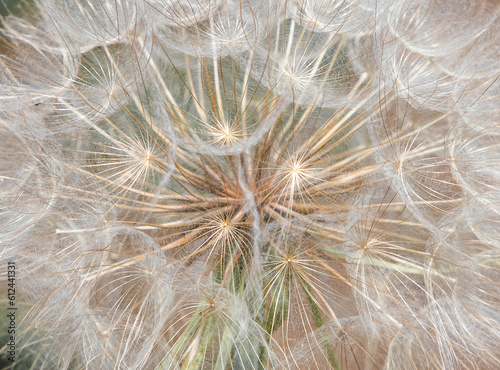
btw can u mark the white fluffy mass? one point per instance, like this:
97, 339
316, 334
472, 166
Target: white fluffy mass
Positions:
252, 184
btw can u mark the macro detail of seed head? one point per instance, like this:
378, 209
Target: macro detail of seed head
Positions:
236, 184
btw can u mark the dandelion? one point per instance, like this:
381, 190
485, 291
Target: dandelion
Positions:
222, 184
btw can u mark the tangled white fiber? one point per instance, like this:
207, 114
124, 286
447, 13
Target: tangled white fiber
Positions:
251, 184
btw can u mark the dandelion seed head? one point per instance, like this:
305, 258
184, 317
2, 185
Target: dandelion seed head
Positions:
252, 184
